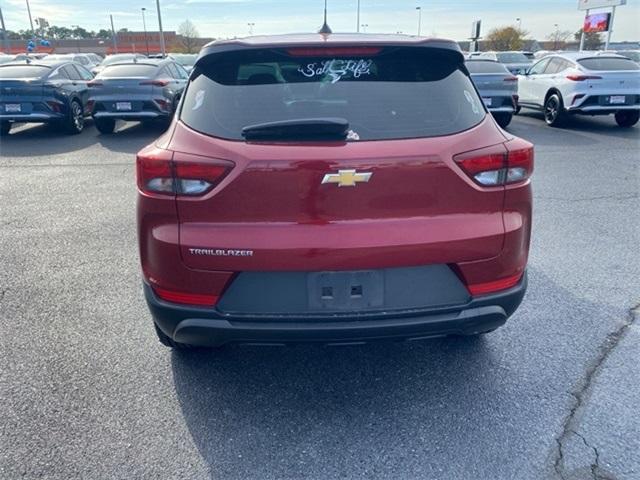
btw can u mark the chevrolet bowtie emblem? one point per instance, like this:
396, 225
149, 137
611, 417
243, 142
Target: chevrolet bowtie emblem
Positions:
347, 178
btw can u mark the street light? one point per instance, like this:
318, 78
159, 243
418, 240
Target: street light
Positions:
251, 25
77, 39
162, 49
358, 18
419, 9
144, 25
555, 42
364, 27
33, 32
519, 20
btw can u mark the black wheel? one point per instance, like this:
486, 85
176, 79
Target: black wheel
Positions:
169, 342
627, 118
5, 127
105, 125
74, 122
554, 113
503, 119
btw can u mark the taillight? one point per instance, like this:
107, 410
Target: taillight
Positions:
495, 166
185, 298
333, 51
163, 172
495, 286
581, 78
94, 83
510, 79
156, 83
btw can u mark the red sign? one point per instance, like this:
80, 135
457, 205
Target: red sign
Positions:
596, 22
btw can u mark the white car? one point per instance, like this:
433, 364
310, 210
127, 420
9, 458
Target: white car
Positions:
582, 83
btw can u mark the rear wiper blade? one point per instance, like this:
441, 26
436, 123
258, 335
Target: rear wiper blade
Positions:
326, 128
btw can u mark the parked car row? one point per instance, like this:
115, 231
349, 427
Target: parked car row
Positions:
63, 92
561, 85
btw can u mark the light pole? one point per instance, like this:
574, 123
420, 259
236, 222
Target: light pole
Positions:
113, 35
144, 25
76, 27
251, 25
519, 20
358, 18
160, 27
555, 38
33, 33
419, 9
5, 43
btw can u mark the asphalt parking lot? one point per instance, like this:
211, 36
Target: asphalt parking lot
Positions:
86, 391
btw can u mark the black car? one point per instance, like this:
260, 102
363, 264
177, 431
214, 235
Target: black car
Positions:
41, 91
145, 90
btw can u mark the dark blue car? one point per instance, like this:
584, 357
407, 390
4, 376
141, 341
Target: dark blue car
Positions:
41, 91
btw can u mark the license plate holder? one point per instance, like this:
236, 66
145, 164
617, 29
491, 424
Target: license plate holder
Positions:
487, 101
123, 106
617, 99
345, 291
12, 108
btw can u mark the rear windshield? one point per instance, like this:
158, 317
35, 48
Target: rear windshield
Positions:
512, 58
635, 56
486, 67
184, 59
117, 58
394, 94
608, 63
23, 71
132, 70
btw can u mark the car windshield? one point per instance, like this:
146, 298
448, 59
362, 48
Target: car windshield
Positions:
608, 63
184, 59
485, 67
635, 56
131, 70
512, 57
23, 71
400, 93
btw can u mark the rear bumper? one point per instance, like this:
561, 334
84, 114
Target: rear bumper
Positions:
130, 115
208, 327
32, 117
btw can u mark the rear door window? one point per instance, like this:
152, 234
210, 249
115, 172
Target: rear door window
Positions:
608, 63
539, 67
391, 94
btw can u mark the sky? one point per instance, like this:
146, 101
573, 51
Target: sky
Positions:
229, 18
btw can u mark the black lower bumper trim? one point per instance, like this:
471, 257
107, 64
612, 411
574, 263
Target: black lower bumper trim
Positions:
208, 327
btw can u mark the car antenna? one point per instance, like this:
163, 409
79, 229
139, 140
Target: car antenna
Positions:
325, 26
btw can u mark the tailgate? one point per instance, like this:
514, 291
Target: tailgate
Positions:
273, 211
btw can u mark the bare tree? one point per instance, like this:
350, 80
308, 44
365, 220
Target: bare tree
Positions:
188, 36
559, 37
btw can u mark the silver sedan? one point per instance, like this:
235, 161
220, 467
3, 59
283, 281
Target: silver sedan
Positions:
497, 86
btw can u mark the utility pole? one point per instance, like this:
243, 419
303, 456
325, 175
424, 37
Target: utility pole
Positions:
144, 25
113, 35
5, 42
419, 9
33, 33
161, 32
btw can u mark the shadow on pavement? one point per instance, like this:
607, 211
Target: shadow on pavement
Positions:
40, 139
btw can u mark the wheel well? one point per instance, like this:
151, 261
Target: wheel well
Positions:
551, 92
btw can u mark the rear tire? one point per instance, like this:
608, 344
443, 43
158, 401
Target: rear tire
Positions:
5, 128
554, 113
169, 342
627, 118
105, 125
74, 123
503, 119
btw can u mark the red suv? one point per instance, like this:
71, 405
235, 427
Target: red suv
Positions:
333, 188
